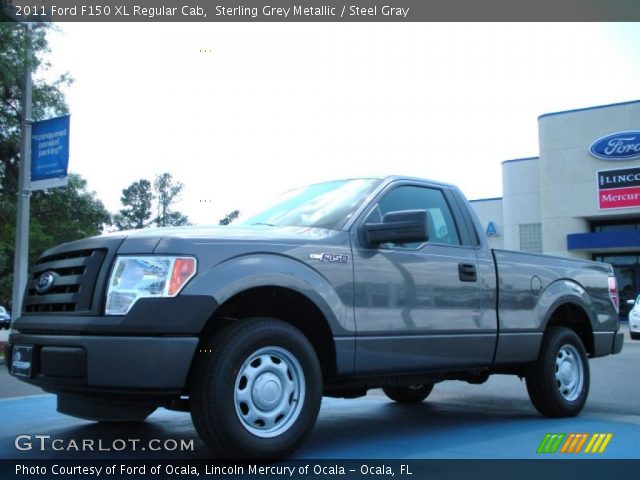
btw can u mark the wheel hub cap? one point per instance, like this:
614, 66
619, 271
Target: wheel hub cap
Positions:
569, 372
266, 391
269, 392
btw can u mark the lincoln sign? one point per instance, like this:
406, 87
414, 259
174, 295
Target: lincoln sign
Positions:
619, 188
617, 146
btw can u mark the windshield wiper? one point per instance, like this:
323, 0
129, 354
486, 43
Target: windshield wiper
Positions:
267, 224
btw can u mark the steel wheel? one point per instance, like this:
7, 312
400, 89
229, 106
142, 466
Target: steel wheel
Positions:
558, 382
269, 392
255, 390
569, 372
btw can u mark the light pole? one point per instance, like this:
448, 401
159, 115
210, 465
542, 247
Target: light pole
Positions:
21, 257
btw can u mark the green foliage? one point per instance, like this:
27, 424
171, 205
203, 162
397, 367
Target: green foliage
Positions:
47, 98
229, 217
176, 219
137, 199
167, 191
57, 215
68, 213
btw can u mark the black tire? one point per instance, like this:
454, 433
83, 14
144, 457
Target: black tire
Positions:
221, 418
635, 335
408, 394
553, 397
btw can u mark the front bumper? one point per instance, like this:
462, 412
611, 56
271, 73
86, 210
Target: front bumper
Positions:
144, 354
147, 366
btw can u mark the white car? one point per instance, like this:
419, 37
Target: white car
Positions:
634, 318
5, 318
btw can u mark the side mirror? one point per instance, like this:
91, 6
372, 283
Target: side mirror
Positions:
405, 226
631, 302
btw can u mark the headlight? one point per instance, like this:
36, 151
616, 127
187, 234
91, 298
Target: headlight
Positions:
144, 277
634, 314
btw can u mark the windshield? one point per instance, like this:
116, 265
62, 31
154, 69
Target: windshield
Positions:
324, 205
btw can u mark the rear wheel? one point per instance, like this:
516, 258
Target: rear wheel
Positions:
558, 383
256, 390
408, 394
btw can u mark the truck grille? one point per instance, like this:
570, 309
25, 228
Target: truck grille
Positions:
74, 274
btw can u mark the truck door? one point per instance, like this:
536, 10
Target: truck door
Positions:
420, 306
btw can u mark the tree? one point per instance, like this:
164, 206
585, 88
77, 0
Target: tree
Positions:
137, 199
229, 217
47, 98
167, 192
66, 214
57, 215
177, 219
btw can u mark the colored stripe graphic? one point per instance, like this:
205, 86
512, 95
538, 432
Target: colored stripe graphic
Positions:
550, 443
569, 441
581, 443
573, 443
598, 443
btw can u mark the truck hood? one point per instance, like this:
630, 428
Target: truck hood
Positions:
229, 232
162, 240
181, 239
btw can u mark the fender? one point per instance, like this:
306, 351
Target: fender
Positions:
244, 272
561, 292
524, 345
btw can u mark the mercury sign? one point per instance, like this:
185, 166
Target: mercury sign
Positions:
617, 146
619, 188
49, 153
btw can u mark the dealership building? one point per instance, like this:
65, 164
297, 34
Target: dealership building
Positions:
580, 197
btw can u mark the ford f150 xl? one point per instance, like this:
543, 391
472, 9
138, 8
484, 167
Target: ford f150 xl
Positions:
334, 289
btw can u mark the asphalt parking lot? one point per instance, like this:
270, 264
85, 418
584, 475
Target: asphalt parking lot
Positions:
493, 420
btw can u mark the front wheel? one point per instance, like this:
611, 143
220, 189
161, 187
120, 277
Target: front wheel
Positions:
408, 394
256, 390
558, 383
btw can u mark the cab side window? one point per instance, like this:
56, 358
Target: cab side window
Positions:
442, 228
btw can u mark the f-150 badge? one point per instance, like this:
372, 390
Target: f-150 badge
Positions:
329, 257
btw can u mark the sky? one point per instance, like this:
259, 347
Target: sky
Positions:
239, 112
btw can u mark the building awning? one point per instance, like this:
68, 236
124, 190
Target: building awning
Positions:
614, 241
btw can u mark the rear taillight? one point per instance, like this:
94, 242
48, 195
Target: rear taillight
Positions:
613, 293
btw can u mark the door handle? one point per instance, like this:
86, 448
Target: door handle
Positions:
467, 272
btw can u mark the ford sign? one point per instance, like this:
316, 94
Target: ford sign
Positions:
617, 146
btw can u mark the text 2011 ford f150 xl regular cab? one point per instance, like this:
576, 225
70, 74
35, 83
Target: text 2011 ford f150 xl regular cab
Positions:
332, 290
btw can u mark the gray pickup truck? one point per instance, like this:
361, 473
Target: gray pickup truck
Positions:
333, 289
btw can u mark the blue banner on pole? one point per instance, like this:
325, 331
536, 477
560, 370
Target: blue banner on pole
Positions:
49, 152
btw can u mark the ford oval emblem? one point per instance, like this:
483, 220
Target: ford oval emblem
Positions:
617, 146
45, 282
